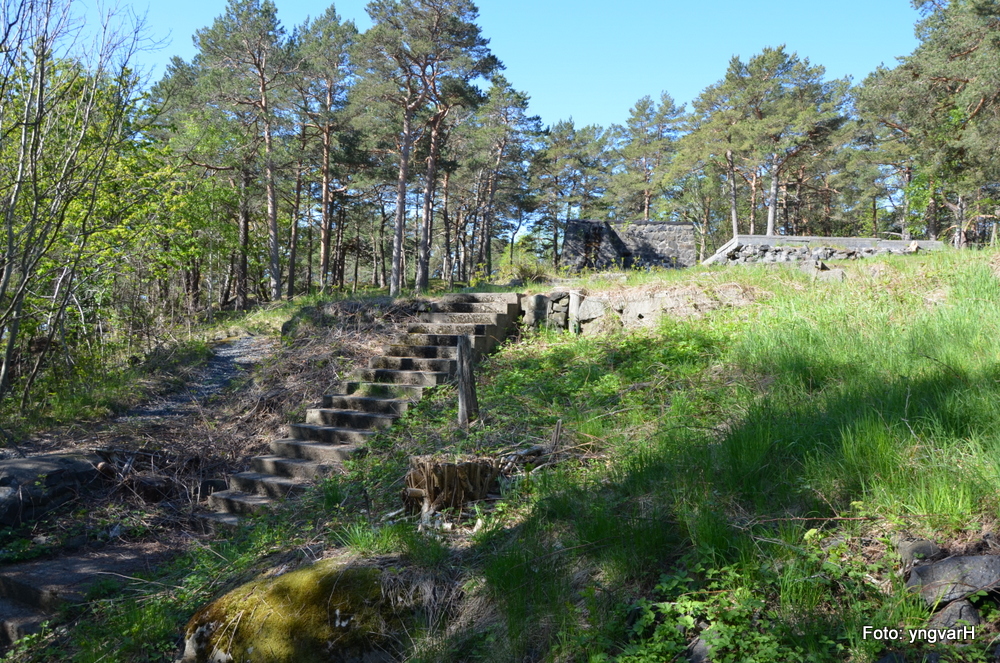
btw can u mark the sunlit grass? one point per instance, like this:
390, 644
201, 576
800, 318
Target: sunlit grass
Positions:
744, 470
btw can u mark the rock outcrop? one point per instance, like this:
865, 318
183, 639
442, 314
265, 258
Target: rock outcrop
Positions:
330, 611
31, 486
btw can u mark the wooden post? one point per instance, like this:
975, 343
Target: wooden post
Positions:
468, 405
575, 299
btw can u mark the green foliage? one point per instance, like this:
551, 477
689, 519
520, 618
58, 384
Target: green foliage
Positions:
707, 463
367, 540
93, 390
762, 614
716, 430
525, 271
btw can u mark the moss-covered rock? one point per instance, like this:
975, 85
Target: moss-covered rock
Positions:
328, 611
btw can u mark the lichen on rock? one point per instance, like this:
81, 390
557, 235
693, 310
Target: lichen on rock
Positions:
327, 611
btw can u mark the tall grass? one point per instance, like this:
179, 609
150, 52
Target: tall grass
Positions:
738, 477
736, 438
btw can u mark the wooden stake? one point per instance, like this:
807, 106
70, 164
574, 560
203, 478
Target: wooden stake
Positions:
468, 404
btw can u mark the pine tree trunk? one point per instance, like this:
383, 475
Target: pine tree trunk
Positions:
326, 223
293, 238
430, 180
447, 267
461, 237
772, 198
797, 223
733, 213
783, 192
904, 229
274, 253
397, 277
382, 282
357, 255
338, 259
242, 274
227, 287
293, 235
827, 205
875, 217
309, 257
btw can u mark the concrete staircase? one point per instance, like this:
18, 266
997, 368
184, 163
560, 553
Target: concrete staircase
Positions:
421, 357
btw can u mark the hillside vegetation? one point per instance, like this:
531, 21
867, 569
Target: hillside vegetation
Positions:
279, 161
739, 478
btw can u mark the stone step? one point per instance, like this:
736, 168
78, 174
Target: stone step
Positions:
33, 595
423, 351
330, 454
394, 406
501, 320
348, 419
328, 434
18, 620
470, 307
481, 297
419, 378
218, 523
480, 344
47, 585
293, 468
413, 364
384, 390
449, 328
238, 503
267, 485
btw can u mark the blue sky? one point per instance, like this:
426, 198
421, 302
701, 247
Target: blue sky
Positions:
591, 61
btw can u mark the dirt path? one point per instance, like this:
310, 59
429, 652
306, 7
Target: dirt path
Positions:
178, 422
230, 359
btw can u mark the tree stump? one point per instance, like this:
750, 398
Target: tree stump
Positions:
432, 484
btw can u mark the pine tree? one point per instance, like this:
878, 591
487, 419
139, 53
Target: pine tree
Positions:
245, 54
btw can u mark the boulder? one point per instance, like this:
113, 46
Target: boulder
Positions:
31, 486
835, 274
592, 308
330, 611
955, 578
916, 550
955, 615
699, 652
812, 266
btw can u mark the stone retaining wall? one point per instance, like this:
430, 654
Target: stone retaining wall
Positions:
576, 311
763, 248
605, 245
763, 253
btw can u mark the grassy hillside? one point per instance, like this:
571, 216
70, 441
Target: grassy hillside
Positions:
738, 478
